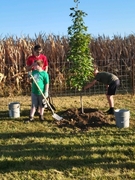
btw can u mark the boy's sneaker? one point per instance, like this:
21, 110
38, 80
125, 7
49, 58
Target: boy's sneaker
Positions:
31, 119
107, 111
41, 118
110, 111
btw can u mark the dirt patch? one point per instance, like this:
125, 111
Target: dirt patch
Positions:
74, 118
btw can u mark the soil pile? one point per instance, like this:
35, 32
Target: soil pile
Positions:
74, 118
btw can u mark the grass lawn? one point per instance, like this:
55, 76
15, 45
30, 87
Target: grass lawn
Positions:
43, 151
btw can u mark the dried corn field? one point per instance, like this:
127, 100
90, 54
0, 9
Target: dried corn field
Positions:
116, 55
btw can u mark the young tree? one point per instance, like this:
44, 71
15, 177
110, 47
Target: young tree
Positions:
79, 52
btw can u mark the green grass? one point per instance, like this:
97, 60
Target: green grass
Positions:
38, 151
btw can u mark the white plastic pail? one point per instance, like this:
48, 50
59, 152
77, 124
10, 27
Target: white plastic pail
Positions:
14, 110
122, 118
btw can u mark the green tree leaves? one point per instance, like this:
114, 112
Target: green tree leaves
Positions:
79, 52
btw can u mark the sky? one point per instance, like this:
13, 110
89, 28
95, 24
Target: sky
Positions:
33, 17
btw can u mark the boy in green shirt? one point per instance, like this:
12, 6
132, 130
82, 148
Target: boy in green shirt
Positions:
42, 79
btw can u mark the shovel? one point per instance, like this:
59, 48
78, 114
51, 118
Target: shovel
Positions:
55, 116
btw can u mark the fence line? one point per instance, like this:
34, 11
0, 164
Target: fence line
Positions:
15, 82
124, 72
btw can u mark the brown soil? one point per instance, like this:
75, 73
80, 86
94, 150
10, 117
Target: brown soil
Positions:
74, 118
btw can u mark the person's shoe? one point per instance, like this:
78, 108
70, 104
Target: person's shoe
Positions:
31, 119
110, 111
41, 118
107, 111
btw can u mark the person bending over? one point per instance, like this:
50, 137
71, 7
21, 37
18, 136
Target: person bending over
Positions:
111, 81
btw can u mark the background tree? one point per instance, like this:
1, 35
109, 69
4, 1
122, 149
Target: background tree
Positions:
79, 51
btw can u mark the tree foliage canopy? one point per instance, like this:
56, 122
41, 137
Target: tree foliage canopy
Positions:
79, 51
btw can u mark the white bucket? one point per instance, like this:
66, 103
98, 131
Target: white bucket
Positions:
122, 118
14, 110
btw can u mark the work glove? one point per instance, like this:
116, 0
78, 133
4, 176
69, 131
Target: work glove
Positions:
44, 104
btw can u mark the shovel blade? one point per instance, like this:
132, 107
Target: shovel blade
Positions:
57, 117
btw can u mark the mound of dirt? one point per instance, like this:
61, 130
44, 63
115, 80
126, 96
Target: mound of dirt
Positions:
74, 118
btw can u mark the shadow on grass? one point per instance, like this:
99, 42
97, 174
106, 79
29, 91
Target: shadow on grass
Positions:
24, 114
27, 165
98, 133
44, 156
5, 114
